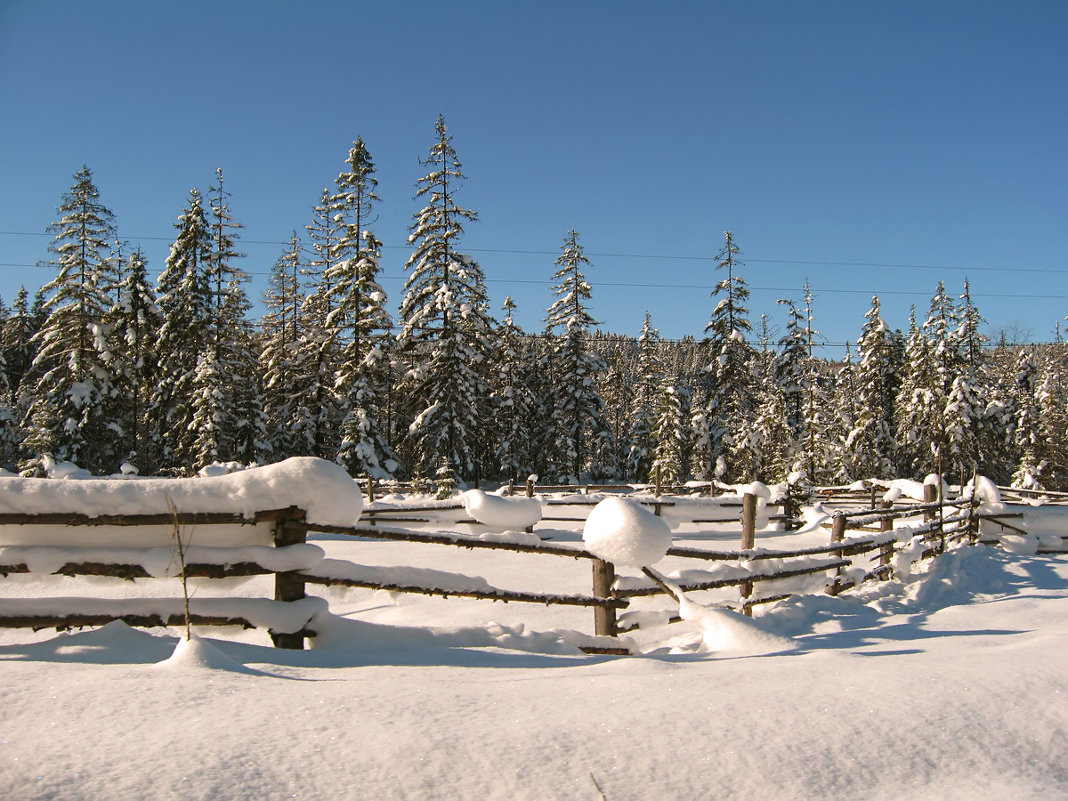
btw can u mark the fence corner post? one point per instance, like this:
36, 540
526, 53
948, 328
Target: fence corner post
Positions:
290, 529
604, 617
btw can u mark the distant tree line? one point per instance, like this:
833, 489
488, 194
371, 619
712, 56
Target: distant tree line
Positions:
107, 368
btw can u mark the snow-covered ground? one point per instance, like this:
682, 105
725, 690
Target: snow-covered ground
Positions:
948, 685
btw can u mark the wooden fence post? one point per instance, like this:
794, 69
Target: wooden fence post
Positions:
886, 553
290, 529
749, 507
604, 618
930, 495
530, 487
838, 529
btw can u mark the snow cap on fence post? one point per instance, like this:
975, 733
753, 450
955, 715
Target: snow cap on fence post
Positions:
622, 532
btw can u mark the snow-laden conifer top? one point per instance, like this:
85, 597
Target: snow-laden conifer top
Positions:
325, 491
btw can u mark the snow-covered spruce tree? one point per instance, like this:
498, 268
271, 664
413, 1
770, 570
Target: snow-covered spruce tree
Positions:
278, 341
916, 408
70, 374
1053, 416
940, 329
1028, 431
668, 435
871, 440
249, 441
816, 444
236, 394
16, 341
361, 321
315, 408
792, 374
617, 391
998, 443
445, 338
844, 413
135, 320
964, 413
539, 380
772, 441
578, 418
648, 388
513, 403
185, 303
730, 384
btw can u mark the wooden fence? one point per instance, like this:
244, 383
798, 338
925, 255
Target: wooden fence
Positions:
126, 556
861, 546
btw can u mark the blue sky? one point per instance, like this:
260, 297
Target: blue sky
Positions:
870, 147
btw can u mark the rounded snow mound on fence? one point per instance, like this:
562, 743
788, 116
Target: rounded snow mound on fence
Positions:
492, 510
620, 531
323, 489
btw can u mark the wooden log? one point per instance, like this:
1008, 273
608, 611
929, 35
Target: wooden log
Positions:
400, 535
660, 582
290, 529
165, 519
749, 507
84, 620
132, 572
852, 549
604, 618
716, 584
505, 596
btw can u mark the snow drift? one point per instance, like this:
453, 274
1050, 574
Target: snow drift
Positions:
323, 489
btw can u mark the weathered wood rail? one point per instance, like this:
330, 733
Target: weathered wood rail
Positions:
125, 560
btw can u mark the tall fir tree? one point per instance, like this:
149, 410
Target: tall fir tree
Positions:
513, 403
647, 391
136, 320
1030, 466
235, 396
71, 374
361, 322
871, 440
578, 417
16, 341
669, 435
185, 304
278, 344
730, 383
446, 328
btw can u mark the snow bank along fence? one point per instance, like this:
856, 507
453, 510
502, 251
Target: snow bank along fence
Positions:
129, 529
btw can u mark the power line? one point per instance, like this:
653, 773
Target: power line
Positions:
707, 287
667, 257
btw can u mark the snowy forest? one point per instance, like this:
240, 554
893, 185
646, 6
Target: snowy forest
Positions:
112, 371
